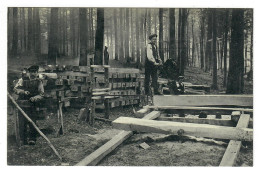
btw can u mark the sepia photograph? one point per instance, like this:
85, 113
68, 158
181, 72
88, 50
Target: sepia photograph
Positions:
129, 86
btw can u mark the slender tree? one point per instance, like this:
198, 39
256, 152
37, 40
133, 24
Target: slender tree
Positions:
235, 84
15, 31
161, 34
83, 36
99, 40
53, 51
127, 36
214, 51
225, 47
37, 32
137, 37
202, 37
116, 34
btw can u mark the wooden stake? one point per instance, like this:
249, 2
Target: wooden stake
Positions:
34, 125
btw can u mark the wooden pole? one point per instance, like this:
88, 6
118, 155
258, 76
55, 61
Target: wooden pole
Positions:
96, 156
34, 125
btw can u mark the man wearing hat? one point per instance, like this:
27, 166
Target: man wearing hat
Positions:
152, 62
30, 88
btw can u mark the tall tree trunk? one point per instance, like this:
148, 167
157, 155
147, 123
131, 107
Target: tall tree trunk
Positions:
202, 31
66, 33
121, 45
225, 47
53, 52
161, 34
251, 52
30, 30
15, 31
83, 36
24, 31
183, 43
214, 51
193, 43
137, 37
187, 42
127, 36
132, 36
37, 32
116, 34
235, 83
99, 41
179, 39
172, 34
209, 42
149, 21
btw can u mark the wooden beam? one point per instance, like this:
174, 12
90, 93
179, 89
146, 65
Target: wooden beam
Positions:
200, 108
200, 130
233, 148
211, 121
220, 122
203, 100
108, 147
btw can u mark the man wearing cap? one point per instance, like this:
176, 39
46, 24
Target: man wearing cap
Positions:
30, 88
152, 62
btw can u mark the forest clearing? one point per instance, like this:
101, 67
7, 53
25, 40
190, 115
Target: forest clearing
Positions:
96, 110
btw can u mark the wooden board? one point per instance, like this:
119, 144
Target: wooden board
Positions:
108, 147
212, 121
167, 127
124, 70
203, 100
233, 148
200, 108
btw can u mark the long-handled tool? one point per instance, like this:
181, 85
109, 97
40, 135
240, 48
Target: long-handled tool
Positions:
34, 125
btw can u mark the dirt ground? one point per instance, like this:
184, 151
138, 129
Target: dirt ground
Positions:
80, 139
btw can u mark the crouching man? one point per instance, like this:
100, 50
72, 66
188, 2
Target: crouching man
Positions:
29, 88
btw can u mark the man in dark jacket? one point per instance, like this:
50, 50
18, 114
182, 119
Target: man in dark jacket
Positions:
29, 88
152, 62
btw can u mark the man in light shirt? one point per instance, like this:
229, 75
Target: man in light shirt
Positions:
152, 63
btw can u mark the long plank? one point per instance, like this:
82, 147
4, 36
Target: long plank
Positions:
233, 148
200, 108
108, 147
203, 100
219, 122
168, 127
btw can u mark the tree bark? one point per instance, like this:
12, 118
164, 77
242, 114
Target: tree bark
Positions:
235, 83
172, 34
15, 31
37, 32
121, 30
137, 37
209, 42
116, 34
99, 39
127, 36
214, 51
225, 47
161, 34
202, 31
83, 36
53, 52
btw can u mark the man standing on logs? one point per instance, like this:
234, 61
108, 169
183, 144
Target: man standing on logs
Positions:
30, 90
152, 62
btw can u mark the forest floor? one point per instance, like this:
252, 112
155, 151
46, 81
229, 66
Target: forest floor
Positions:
80, 139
